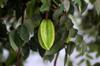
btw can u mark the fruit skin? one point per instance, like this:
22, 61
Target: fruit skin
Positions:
46, 34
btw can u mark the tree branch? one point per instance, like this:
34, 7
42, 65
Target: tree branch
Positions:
18, 57
55, 61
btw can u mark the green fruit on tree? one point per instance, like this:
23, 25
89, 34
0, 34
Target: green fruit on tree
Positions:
46, 34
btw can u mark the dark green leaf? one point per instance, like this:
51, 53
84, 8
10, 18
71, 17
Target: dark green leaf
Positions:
45, 5
70, 47
72, 32
89, 56
30, 8
23, 33
48, 57
36, 19
92, 1
69, 62
25, 51
79, 55
79, 39
88, 63
41, 51
56, 15
17, 39
29, 25
81, 61
66, 22
2, 2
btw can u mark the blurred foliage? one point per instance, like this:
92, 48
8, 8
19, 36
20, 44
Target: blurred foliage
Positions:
20, 21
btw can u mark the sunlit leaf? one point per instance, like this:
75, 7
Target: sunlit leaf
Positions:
97, 6
69, 62
66, 4
12, 43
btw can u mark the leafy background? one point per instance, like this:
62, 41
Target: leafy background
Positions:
77, 26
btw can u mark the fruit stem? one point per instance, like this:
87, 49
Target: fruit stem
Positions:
46, 15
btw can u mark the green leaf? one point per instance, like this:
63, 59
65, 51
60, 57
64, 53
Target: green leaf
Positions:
81, 61
97, 6
12, 43
23, 33
36, 19
66, 4
72, 32
29, 25
1, 2
66, 22
69, 62
79, 39
89, 56
92, 1
30, 8
48, 57
17, 39
45, 5
88, 63
79, 55
25, 51
70, 47
79, 2
11, 59
56, 15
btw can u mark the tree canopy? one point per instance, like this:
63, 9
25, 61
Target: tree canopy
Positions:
48, 26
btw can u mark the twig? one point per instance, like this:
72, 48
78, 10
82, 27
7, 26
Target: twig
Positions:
55, 61
18, 57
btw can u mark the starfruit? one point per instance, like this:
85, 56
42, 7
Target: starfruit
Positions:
46, 34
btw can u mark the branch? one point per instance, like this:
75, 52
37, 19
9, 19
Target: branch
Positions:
18, 57
55, 61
